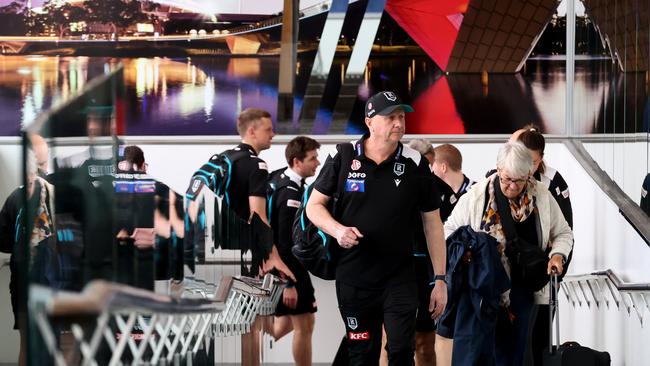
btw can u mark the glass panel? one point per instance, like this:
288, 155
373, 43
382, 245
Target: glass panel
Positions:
611, 87
109, 218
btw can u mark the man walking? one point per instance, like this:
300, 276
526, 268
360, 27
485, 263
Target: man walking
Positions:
387, 185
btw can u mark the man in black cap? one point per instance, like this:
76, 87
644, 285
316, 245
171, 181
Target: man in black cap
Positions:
387, 185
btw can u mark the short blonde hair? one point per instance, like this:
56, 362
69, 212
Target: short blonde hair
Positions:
450, 155
515, 159
250, 117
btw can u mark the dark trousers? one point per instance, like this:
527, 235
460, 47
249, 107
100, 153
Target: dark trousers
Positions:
363, 312
539, 338
513, 328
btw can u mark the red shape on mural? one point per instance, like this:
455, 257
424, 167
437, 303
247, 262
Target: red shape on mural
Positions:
433, 25
435, 112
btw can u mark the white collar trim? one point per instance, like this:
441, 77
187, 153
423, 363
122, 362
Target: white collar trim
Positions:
295, 177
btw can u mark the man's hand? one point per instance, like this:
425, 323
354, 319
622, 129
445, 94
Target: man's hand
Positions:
290, 297
557, 262
275, 262
347, 237
122, 235
143, 238
438, 300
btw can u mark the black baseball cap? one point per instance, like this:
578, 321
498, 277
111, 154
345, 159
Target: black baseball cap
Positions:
384, 103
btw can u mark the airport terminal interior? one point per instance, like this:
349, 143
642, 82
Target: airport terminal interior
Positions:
125, 126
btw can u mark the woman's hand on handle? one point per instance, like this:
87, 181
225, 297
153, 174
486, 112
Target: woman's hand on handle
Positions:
556, 263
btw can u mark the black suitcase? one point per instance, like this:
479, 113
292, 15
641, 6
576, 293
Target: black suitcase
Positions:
569, 353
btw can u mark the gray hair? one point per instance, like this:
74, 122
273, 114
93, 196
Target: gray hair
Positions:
515, 159
422, 146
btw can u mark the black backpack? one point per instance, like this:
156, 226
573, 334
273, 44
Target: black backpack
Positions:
275, 184
229, 231
215, 174
317, 251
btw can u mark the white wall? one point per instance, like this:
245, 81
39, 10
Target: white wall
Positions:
626, 163
603, 240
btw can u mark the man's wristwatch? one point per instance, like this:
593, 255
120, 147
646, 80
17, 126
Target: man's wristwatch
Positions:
442, 278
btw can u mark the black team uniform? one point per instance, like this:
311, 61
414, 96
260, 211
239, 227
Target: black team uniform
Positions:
375, 280
284, 206
249, 178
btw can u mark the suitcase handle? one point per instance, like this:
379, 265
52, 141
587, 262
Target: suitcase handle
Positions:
553, 307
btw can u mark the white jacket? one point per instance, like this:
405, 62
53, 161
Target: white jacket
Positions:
554, 229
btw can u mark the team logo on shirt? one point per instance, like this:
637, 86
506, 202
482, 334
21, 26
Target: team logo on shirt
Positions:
360, 336
356, 164
356, 175
398, 169
644, 193
352, 323
452, 199
355, 185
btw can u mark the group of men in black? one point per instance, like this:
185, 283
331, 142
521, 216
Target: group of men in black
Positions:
391, 267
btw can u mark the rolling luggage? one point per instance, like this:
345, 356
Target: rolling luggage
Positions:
569, 353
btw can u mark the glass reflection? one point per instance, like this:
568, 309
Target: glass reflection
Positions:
36, 83
203, 95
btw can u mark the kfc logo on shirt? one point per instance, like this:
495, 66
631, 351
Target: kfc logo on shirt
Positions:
361, 336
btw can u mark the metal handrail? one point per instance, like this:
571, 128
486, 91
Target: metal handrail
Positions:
142, 327
628, 208
617, 282
605, 287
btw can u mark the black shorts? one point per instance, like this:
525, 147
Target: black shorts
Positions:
306, 299
423, 322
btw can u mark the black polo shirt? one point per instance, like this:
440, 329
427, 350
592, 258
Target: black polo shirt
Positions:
284, 205
249, 178
381, 201
450, 198
558, 187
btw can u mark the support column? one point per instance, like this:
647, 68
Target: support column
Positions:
570, 65
286, 82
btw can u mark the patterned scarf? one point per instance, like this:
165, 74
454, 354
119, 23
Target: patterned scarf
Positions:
520, 208
42, 228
